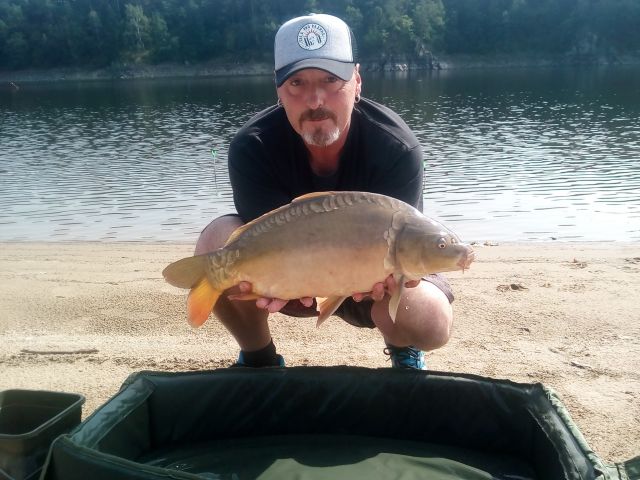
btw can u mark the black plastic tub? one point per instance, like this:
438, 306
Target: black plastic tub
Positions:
29, 421
328, 423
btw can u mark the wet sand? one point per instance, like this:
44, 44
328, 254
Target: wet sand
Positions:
81, 317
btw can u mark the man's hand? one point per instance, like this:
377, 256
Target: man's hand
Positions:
272, 305
379, 289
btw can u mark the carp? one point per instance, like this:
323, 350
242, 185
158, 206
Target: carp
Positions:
326, 244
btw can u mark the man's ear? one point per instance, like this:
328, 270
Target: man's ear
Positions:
358, 78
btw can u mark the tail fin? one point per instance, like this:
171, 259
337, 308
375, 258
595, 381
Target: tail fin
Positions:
191, 273
202, 299
186, 273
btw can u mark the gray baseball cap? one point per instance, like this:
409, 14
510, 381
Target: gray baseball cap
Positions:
314, 41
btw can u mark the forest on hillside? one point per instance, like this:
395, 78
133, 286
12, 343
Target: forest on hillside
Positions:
103, 33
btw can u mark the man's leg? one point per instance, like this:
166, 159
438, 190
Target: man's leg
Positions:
423, 320
247, 323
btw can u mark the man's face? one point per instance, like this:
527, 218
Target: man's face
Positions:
319, 104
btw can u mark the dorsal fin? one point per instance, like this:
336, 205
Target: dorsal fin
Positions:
307, 196
240, 230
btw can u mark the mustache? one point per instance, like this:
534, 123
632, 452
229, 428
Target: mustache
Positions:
317, 115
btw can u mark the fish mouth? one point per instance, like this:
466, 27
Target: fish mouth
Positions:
467, 259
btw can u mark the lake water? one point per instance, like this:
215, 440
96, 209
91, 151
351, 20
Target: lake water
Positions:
510, 155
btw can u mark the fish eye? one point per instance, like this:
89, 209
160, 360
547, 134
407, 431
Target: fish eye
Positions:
442, 242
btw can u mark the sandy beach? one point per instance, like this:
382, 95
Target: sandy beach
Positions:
81, 317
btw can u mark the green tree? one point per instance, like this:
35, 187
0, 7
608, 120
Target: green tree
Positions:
163, 45
48, 33
17, 50
136, 33
428, 24
375, 36
616, 25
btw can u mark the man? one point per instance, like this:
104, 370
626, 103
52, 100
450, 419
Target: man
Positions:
322, 135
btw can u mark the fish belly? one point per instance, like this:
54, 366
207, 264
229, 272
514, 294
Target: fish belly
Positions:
305, 273
333, 253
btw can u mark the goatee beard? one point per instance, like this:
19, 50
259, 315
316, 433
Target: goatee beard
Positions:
321, 138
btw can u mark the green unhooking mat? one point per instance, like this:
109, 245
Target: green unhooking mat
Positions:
328, 423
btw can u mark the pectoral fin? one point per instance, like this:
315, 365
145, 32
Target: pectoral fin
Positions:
394, 301
328, 308
202, 299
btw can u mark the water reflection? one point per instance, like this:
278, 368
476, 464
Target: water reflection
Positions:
516, 155
532, 154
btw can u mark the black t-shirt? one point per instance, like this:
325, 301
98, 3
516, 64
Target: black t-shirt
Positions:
269, 163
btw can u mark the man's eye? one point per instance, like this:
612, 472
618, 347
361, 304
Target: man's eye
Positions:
331, 79
295, 83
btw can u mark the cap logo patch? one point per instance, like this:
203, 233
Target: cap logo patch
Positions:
312, 36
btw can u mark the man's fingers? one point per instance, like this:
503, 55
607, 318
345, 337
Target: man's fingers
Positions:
276, 305
263, 302
358, 297
390, 284
271, 304
378, 291
307, 301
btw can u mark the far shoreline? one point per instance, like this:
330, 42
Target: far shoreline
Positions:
12, 79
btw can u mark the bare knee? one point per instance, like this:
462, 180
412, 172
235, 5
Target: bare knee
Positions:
424, 319
216, 233
436, 335
433, 332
